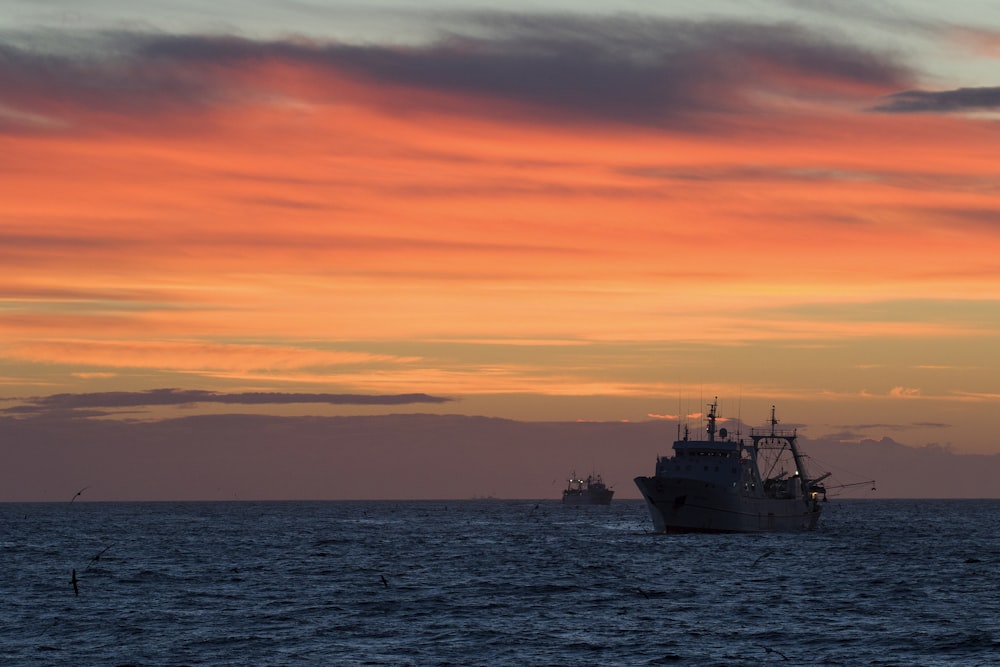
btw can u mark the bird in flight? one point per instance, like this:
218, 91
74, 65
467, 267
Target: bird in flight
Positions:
97, 557
77, 495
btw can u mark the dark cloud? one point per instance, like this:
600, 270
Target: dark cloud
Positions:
852, 429
405, 456
44, 90
876, 425
958, 100
749, 173
628, 69
17, 246
985, 218
53, 415
154, 397
624, 68
285, 203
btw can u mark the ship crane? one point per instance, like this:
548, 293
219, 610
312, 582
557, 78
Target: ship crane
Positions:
843, 486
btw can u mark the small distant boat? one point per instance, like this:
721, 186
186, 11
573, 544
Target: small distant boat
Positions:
729, 485
590, 491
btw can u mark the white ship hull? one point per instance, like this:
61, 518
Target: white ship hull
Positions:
678, 504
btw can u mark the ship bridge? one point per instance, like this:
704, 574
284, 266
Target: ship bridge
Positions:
717, 459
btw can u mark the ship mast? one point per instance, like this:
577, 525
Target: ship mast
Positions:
711, 419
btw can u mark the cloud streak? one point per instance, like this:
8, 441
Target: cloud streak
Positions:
167, 397
191, 355
986, 98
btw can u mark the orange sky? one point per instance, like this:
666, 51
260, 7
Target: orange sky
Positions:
795, 217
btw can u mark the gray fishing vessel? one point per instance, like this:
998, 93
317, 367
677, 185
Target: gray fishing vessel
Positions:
726, 484
590, 491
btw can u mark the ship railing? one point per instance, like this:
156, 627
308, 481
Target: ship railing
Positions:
761, 433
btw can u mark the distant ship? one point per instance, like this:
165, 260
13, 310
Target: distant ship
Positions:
727, 485
590, 491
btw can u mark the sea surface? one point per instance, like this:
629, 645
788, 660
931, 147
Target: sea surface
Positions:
493, 582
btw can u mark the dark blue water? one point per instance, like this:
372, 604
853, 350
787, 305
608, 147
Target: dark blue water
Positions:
493, 583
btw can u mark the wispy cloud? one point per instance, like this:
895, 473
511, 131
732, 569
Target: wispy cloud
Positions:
166, 397
190, 355
985, 98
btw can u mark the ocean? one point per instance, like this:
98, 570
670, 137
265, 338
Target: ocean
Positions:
493, 582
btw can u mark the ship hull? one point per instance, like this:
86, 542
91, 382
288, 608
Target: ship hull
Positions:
585, 498
679, 505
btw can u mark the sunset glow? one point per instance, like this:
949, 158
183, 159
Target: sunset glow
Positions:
512, 210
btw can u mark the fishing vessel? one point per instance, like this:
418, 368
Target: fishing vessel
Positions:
727, 484
590, 491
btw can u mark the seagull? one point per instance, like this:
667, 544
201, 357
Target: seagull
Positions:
97, 557
773, 650
385, 582
78, 493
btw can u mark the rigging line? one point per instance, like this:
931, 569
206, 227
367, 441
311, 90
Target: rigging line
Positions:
777, 459
739, 415
827, 466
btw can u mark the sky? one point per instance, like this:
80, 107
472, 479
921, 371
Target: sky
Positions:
582, 211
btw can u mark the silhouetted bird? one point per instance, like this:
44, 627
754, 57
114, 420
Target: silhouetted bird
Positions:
97, 557
384, 581
771, 650
78, 493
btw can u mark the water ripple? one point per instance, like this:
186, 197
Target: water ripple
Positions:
493, 583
